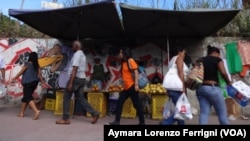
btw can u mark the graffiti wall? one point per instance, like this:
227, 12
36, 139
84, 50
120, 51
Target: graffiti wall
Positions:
16, 51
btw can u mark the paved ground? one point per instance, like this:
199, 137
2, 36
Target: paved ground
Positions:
13, 128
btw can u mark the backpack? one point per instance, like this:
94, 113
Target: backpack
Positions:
142, 77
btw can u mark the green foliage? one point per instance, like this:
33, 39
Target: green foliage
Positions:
243, 22
13, 28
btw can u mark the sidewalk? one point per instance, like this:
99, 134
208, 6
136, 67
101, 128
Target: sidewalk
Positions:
13, 128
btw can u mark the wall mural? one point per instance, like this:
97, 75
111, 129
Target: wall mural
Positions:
16, 51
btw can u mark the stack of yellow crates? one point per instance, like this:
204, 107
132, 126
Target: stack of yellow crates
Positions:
50, 104
128, 110
158, 101
59, 104
99, 102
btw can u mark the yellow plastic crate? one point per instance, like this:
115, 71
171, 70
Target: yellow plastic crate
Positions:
99, 102
50, 104
158, 102
128, 110
59, 104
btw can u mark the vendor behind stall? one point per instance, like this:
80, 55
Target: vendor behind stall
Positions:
98, 73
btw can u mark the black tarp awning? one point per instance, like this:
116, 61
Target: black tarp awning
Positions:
148, 22
101, 20
96, 20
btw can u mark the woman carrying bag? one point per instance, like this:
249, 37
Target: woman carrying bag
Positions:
177, 62
209, 93
31, 75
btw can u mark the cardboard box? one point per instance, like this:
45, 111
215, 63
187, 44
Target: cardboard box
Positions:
232, 107
240, 92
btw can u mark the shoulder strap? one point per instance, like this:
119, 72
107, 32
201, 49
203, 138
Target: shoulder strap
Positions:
173, 61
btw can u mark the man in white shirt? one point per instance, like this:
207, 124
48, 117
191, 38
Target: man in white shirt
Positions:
76, 84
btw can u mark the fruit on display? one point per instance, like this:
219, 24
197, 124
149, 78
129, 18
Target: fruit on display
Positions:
153, 89
115, 88
95, 88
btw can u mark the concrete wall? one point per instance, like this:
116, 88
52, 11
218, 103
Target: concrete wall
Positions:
15, 52
156, 60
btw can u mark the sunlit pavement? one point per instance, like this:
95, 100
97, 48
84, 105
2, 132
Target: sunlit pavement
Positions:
13, 128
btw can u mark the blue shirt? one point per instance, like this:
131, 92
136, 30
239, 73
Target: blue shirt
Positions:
29, 75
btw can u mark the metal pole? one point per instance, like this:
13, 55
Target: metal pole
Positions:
78, 26
161, 62
21, 6
168, 48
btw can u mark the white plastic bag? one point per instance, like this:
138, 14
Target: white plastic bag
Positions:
183, 109
168, 109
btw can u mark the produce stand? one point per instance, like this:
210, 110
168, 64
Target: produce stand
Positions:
101, 102
105, 102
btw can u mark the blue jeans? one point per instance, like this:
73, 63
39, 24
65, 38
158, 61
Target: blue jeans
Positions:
78, 90
174, 95
211, 96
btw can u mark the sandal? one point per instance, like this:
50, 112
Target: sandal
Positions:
36, 116
244, 117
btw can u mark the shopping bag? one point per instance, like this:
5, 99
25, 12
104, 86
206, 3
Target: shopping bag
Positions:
168, 109
195, 76
171, 80
183, 108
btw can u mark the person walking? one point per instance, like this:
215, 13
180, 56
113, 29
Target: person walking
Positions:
131, 88
31, 74
75, 84
182, 70
209, 93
